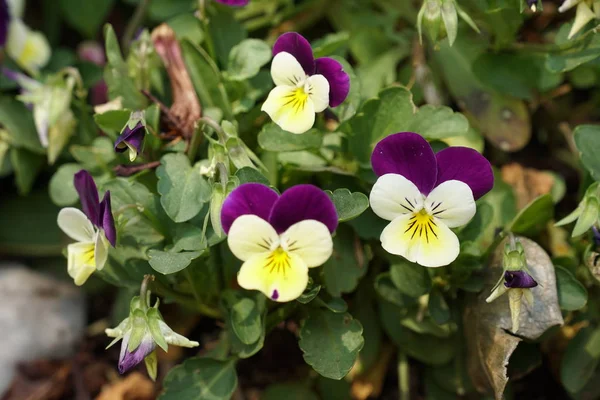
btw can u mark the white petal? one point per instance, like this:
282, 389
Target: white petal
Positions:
75, 224
583, 15
394, 195
452, 202
282, 280
421, 239
290, 108
250, 235
174, 338
309, 239
318, 90
81, 261
567, 5
286, 70
101, 250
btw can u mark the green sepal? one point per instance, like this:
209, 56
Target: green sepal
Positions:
588, 217
216, 204
134, 304
450, 18
571, 217
151, 362
465, 17
139, 325
134, 118
153, 316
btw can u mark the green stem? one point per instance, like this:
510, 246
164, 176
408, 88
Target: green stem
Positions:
280, 315
195, 143
403, 376
134, 23
217, 128
144, 291
186, 301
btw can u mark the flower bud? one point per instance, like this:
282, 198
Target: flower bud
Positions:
440, 20
587, 212
132, 135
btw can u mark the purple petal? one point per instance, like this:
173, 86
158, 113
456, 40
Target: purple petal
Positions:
135, 137
128, 360
106, 219
296, 45
466, 165
88, 195
339, 81
300, 203
92, 51
233, 3
519, 279
248, 198
4, 21
409, 155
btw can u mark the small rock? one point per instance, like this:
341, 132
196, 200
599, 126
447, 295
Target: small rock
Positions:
40, 317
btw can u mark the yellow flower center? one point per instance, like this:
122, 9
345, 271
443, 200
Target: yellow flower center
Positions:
421, 225
297, 99
87, 256
278, 261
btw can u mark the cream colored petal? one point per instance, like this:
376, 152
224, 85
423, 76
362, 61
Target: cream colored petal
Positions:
290, 108
286, 70
452, 202
394, 195
318, 91
81, 262
421, 239
281, 278
174, 338
101, 250
310, 240
567, 5
583, 15
250, 235
76, 224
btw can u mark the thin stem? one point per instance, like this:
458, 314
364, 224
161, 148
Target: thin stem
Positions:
192, 149
144, 293
128, 170
134, 23
403, 376
280, 315
215, 125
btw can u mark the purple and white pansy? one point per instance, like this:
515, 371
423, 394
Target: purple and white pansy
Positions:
93, 229
303, 86
424, 194
278, 237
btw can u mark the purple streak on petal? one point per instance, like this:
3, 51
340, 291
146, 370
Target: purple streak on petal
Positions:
300, 203
4, 22
298, 46
127, 359
518, 279
339, 81
233, 3
88, 195
466, 165
134, 137
409, 155
106, 219
275, 295
248, 198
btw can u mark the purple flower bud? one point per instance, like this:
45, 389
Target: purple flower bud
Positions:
233, 3
129, 359
518, 279
131, 138
4, 21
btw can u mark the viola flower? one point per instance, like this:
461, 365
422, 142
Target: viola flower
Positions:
93, 229
132, 135
424, 195
234, 3
587, 10
278, 237
303, 86
141, 332
29, 49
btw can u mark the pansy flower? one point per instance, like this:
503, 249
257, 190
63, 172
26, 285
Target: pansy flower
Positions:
303, 86
278, 237
425, 194
93, 229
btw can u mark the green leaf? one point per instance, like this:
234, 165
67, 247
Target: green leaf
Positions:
200, 379
187, 26
273, 138
96, 156
226, 32
246, 320
247, 58
580, 359
438, 307
348, 205
112, 122
331, 342
386, 289
62, 190
168, 263
86, 16
533, 218
249, 174
393, 111
18, 122
410, 278
27, 165
288, 391
573, 53
347, 264
572, 295
587, 139
183, 190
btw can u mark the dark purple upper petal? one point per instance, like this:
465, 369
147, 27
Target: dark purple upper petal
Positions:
518, 279
300, 203
135, 138
298, 46
248, 198
106, 220
409, 155
88, 195
233, 3
466, 165
4, 21
339, 81
128, 360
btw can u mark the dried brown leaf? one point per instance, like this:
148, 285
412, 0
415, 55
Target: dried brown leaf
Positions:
528, 183
134, 386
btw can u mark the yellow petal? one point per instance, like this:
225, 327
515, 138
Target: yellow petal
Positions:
290, 108
310, 240
81, 261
